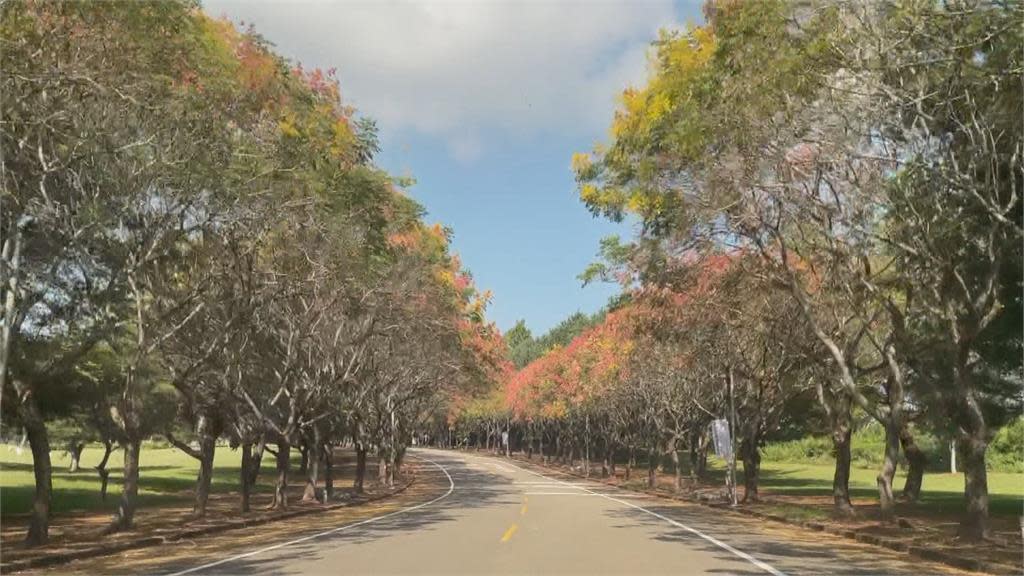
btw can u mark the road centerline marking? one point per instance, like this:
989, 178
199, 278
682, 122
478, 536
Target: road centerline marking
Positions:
739, 553
508, 533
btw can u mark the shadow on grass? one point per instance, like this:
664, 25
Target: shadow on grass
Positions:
159, 485
932, 500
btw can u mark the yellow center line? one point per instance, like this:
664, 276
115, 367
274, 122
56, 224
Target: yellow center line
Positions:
522, 511
508, 533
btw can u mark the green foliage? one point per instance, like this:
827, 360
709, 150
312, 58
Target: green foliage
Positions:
523, 348
1006, 452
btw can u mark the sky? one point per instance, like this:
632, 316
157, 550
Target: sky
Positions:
483, 103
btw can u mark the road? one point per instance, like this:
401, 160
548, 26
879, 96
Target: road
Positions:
489, 515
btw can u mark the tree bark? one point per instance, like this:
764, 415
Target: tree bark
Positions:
841, 434
751, 467
677, 469
101, 468
974, 526
245, 475
11, 255
972, 438
328, 452
312, 453
360, 479
283, 458
606, 461
125, 515
35, 429
382, 470
884, 479
207, 434
916, 462
652, 467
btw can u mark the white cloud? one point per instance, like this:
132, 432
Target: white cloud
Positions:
462, 70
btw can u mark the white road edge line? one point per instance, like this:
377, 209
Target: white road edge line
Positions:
451, 488
577, 494
762, 565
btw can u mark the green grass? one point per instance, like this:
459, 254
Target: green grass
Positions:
941, 492
167, 476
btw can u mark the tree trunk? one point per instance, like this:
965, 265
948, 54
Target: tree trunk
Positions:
694, 453
75, 451
652, 467
280, 501
886, 500
586, 448
357, 485
257, 461
916, 462
10, 253
630, 462
245, 475
382, 470
328, 452
125, 515
974, 526
312, 454
101, 468
751, 468
207, 435
841, 433
677, 469
38, 440
399, 461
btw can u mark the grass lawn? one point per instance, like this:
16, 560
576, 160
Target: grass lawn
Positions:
940, 491
167, 475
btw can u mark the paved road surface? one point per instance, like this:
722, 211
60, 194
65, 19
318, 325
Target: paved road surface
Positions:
494, 516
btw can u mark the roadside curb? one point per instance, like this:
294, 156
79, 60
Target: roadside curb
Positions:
917, 550
146, 541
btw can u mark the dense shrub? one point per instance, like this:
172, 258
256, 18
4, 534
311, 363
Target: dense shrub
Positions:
1005, 454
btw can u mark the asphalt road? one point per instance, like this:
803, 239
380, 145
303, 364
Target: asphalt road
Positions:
498, 517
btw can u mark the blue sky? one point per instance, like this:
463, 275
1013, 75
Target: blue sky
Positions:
483, 103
